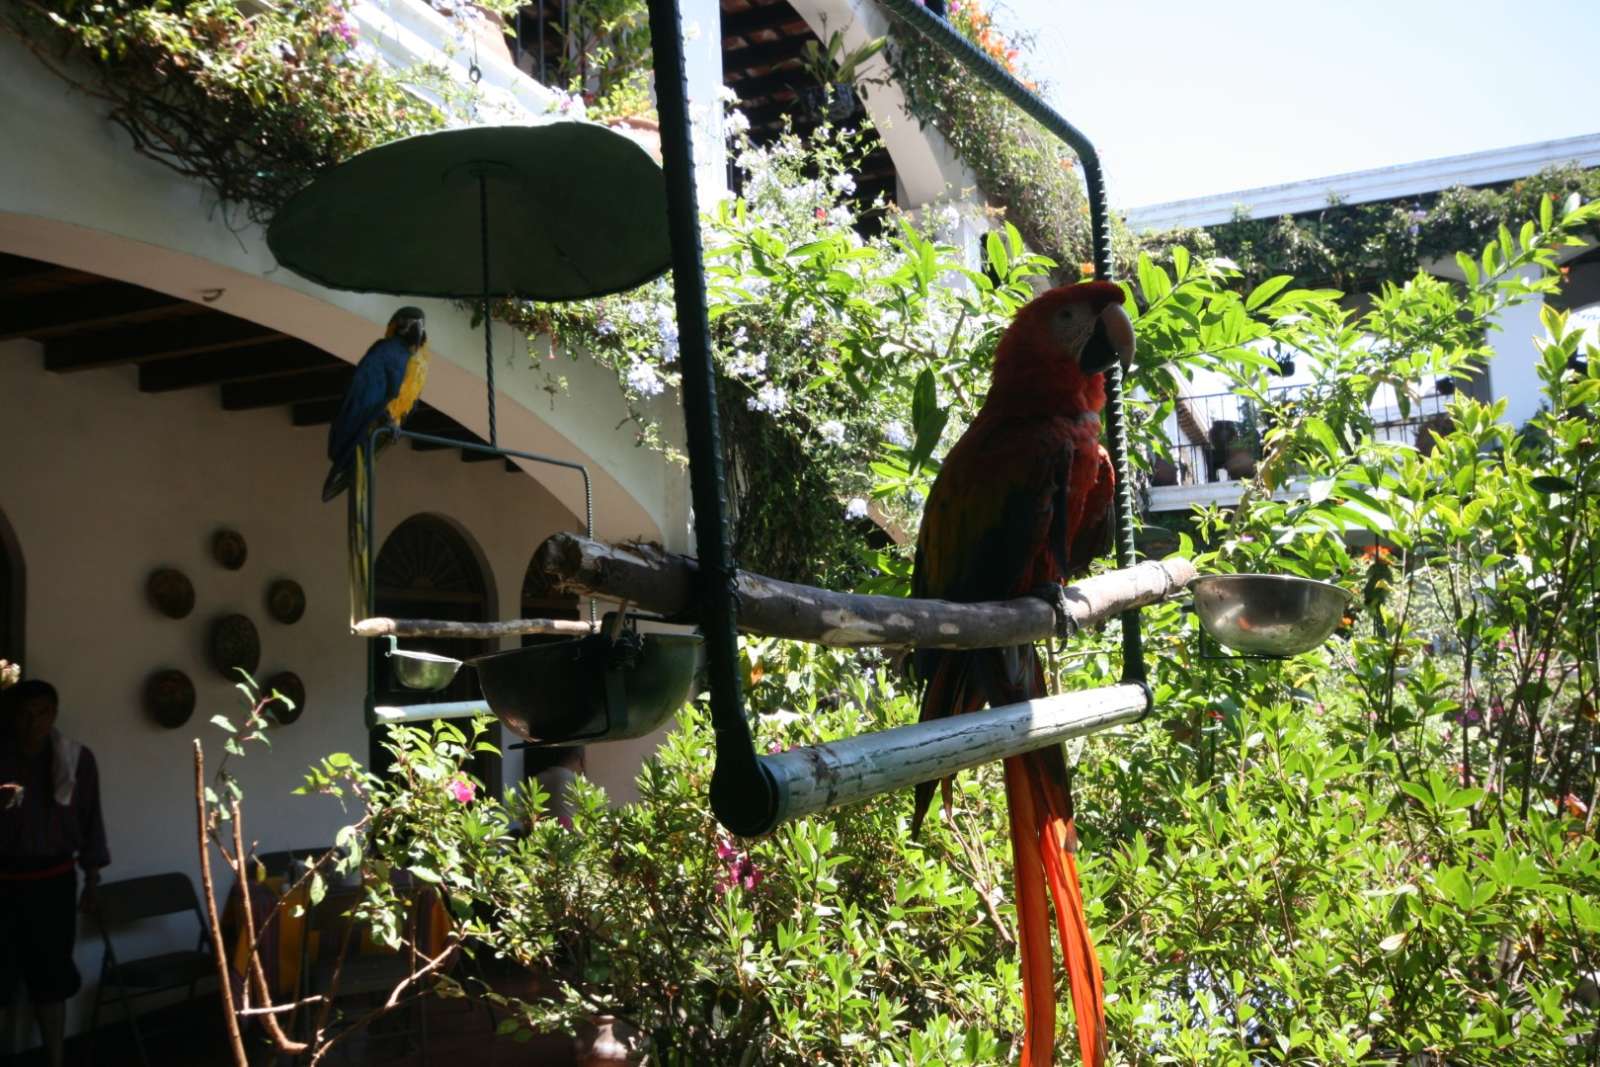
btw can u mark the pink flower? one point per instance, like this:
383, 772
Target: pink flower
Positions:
741, 869
462, 790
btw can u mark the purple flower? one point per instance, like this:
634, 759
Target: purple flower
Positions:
463, 790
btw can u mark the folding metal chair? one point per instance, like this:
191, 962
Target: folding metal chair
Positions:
120, 904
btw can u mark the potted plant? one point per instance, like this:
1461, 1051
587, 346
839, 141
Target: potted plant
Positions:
1242, 450
834, 97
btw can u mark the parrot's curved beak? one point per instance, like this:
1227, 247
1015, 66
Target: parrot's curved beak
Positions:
1111, 342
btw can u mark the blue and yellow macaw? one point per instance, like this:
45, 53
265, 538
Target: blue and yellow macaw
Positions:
387, 383
386, 386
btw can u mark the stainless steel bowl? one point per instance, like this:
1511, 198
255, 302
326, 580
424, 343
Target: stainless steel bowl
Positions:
577, 690
1268, 614
421, 670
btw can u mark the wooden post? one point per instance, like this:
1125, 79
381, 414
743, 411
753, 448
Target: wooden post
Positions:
662, 582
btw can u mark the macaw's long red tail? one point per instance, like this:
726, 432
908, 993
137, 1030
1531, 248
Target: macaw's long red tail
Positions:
1043, 841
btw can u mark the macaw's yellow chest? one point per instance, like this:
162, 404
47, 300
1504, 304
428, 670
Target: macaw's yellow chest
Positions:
410, 385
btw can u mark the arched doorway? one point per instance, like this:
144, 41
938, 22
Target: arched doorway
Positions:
428, 570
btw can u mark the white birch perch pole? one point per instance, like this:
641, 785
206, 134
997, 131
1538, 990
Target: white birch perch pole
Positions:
663, 582
380, 626
819, 777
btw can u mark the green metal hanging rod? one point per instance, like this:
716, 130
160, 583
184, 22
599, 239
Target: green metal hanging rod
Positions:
752, 794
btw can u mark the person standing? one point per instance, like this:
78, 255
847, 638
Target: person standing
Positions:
50, 823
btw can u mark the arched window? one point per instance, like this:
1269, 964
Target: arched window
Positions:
427, 569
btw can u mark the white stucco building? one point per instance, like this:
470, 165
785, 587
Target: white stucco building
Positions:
1510, 373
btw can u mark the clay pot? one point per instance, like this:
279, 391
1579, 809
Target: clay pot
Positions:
604, 1041
1241, 463
1163, 472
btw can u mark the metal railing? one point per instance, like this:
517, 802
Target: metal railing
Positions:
1217, 437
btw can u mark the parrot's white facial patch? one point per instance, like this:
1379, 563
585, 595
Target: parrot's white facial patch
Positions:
1070, 327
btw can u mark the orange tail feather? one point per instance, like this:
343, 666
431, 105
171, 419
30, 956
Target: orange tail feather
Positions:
1042, 842
1033, 921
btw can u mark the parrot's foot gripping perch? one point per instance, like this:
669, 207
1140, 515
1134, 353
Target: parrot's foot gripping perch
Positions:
1055, 594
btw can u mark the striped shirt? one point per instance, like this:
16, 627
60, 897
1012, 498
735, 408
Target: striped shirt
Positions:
40, 834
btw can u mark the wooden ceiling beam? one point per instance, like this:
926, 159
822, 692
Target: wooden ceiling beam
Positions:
755, 19
290, 389
19, 275
764, 85
163, 339
271, 360
83, 309
769, 54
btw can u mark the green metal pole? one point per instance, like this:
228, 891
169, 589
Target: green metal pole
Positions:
743, 795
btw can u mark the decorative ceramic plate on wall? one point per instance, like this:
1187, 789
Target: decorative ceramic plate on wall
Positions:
286, 601
228, 548
235, 644
289, 684
170, 592
169, 698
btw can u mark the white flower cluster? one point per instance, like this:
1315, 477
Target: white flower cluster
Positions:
832, 431
895, 434
770, 398
747, 365
643, 379
856, 509
668, 328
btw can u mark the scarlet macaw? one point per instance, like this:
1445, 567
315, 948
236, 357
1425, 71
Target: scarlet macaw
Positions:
1021, 504
387, 383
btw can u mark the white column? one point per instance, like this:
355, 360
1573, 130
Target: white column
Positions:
702, 55
1513, 373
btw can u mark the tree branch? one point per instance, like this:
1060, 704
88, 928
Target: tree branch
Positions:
664, 582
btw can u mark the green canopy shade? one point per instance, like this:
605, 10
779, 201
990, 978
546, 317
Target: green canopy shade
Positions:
573, 210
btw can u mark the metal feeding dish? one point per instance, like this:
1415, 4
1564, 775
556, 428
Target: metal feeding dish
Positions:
1268, 614
590, 688
421, 670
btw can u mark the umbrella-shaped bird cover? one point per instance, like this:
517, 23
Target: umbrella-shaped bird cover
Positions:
574, 210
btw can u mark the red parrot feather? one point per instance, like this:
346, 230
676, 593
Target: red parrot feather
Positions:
1023, 501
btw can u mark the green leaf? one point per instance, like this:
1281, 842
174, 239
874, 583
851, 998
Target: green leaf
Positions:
998, 259
1153, 281
1323, 434
1266, 291
928, 419
225, 723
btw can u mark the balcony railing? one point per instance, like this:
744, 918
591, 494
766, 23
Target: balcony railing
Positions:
1219, 435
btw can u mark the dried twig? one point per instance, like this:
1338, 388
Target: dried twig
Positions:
235, 1041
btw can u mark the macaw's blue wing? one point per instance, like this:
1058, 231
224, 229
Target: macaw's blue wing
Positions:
376, 382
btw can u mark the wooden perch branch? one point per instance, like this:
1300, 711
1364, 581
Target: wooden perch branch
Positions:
382, 627
663, 582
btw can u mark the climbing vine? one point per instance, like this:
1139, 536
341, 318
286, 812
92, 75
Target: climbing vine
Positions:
252, 100
1016, 162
